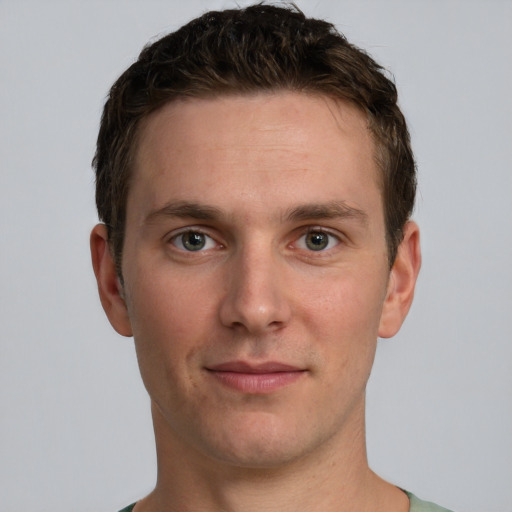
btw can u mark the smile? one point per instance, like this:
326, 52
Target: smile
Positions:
258, 379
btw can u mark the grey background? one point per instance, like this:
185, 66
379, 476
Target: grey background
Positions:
75, 430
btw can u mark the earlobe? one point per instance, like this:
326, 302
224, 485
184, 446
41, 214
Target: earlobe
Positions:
402, 282
109, 286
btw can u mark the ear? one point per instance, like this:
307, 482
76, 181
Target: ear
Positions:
402, 281
109, 286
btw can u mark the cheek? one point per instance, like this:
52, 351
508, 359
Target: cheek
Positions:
343, 315
170, 322
347, 304
167, 308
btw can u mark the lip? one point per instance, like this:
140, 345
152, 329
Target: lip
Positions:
261, 378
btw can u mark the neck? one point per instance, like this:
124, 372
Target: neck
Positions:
336, 478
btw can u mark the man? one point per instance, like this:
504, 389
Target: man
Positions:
255, 181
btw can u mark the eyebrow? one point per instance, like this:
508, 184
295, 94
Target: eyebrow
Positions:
331, 210
191, 210
185, 209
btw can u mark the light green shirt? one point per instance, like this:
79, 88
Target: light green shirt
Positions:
416, 505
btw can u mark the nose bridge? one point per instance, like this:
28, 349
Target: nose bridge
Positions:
255, 298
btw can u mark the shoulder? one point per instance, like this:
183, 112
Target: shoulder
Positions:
417, 505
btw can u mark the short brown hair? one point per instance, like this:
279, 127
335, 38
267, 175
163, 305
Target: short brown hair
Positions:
243, 51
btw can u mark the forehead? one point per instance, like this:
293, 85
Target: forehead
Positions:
278, 111
285, 144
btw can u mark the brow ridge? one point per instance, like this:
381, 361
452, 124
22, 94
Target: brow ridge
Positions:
310, 211
185, 209
330, 210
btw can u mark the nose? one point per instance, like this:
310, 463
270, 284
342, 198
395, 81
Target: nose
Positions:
256, 298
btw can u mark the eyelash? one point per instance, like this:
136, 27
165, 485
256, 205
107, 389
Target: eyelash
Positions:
320, 231
178, 238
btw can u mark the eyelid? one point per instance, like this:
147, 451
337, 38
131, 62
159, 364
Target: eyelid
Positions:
302, 232
319, 229
174, 235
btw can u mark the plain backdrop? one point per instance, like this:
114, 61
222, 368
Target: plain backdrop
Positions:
75, 429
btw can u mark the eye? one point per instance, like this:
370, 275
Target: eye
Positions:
193, 241
317, 240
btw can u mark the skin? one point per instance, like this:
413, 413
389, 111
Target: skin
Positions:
259, 180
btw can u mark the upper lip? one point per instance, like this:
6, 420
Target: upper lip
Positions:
244, 367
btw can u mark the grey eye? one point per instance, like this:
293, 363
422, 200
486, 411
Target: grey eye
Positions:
316, 240
193, 241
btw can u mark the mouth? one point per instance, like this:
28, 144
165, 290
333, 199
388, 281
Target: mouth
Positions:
262, 378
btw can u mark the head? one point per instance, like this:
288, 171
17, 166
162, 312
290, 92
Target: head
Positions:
241, 52
255, 176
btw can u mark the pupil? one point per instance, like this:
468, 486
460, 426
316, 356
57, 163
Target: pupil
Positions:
317, 241
193, 241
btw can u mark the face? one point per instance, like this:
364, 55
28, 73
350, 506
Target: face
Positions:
256, 278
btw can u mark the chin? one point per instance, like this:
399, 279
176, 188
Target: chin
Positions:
261, 445
259, 455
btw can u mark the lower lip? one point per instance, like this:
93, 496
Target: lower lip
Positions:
258, 383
